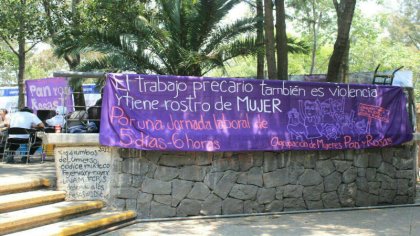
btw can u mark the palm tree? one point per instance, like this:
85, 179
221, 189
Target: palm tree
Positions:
179, 37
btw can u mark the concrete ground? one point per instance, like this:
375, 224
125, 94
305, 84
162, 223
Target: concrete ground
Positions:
399, 221
33, 169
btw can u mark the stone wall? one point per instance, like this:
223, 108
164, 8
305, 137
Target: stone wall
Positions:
163, 184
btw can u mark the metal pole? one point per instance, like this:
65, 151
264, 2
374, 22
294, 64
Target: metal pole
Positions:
76, 74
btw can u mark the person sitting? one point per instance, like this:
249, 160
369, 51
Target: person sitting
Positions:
3, 130
24, 118
59, 118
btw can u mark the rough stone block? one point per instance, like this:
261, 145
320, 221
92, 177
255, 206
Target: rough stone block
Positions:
388, 155
294, 171
232, 206
279, 192
137, 180
313, 205
405, 174
225, 184
118, 203
309, 160
371, 174
350, 175
242, 178
164, 199
401, 200
387, 196
166, 173
203, 158
153, 156
342, 166
347, 194
224, 164
144, 197
324, 167
244, 192
177, 159
124, 180
386, 181
294, 204
332, 181
362, 184
131, 165
189, 207
361, 161
155, 186
246, 161
276, 178
131, 204
158, 210
330, 200
199, 191
293, 191
402, 186
143, 210
253, 207
374, 161
333, 155
361, 172
366, 199
283, 159
212, 179
127, 192
310, 177
180, 189
387, 169
275, 206
266, 195
403, 164
255, 176
270, 162
313, 193
211, 206
374, 187
151, 170
193, 173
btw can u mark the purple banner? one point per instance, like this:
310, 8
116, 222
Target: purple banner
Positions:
158, 112
48, 93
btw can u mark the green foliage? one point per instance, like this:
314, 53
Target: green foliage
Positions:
22, 19
43, 64
174, 37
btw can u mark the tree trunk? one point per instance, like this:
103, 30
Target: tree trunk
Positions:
315, 30
74, 61
269, 39
21, 72
282, 60
260, 39
345, 11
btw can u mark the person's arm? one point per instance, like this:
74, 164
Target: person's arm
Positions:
7, 121
37, 123
40, 125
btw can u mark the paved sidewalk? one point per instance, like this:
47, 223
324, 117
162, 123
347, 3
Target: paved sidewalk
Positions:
21, 170
399, 221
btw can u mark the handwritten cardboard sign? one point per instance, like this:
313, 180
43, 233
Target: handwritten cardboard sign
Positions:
155, 112
47, 94
84, 172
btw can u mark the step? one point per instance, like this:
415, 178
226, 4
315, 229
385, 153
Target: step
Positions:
80, 225
17, 201
13, 184
37, 216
